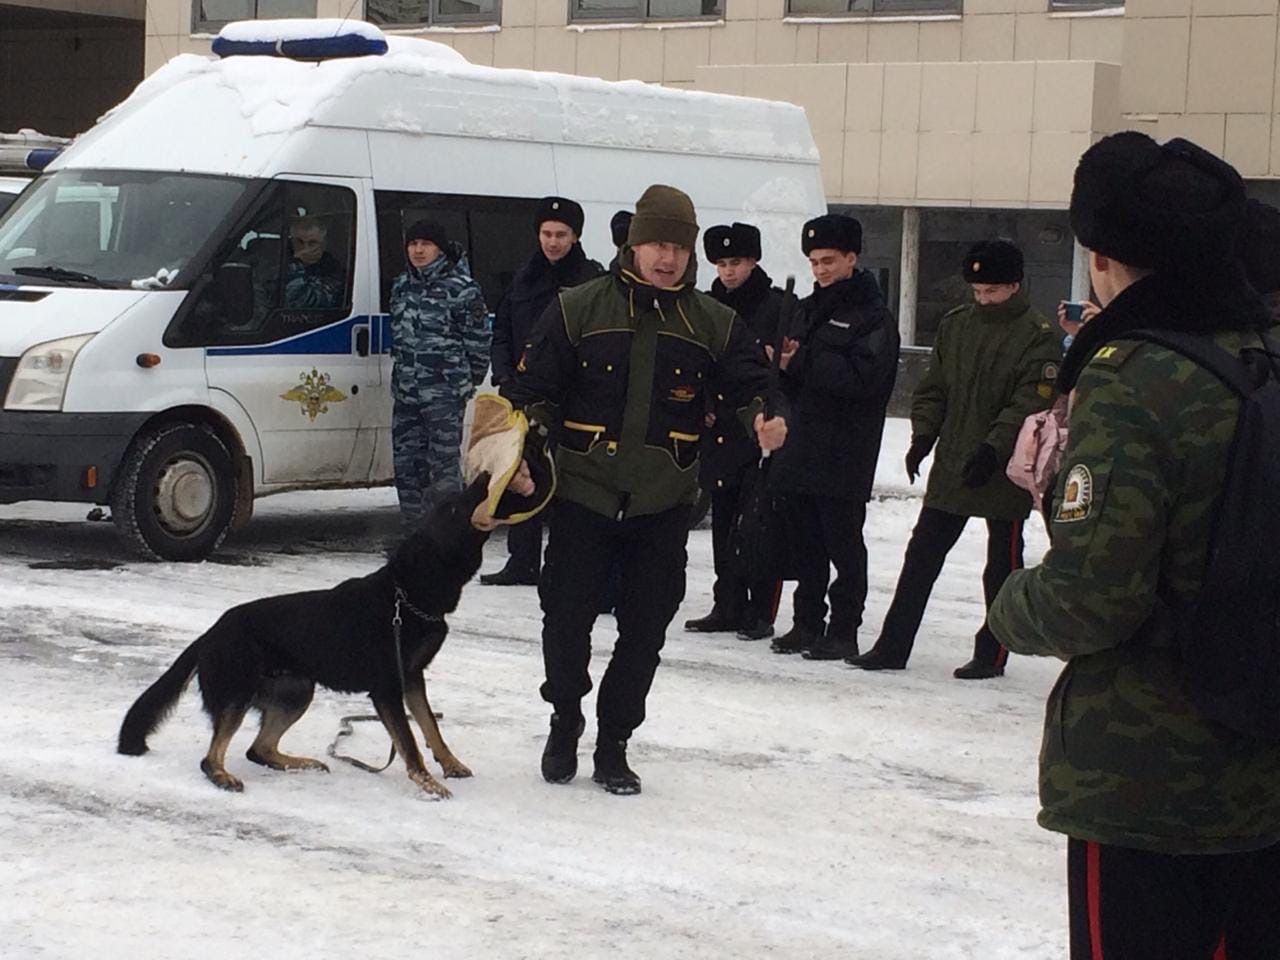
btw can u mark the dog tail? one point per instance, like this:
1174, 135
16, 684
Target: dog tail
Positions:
156, 703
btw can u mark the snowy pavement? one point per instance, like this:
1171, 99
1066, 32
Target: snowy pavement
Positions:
790, 809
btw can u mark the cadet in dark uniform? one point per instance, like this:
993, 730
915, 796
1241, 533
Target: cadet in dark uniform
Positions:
727, 453
619, 369
559, 263
838, 369
1172, 819
994, 363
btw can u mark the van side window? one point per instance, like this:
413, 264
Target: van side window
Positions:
496, 233
292, 259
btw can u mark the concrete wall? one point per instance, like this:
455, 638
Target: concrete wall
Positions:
1207, 70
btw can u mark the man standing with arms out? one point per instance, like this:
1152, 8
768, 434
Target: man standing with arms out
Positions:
838, 369
994, 363
727, 452
619, 369
558, 263
1173, 819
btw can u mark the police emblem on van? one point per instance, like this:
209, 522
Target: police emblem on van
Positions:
314, 393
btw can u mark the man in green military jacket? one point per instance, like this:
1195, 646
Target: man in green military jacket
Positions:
620, 369
1173, 820
995, 362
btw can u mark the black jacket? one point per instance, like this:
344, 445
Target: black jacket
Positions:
532, 288
620, 372
725, 449
838, 384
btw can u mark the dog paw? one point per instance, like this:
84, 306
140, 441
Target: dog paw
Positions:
221, 779
455, 769
432, 787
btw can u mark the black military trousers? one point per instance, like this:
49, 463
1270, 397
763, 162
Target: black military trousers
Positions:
935, 533
827, 532
747, 602
582, 549
1130, 904
524, 545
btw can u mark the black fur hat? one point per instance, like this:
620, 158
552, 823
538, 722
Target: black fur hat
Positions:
1259, 246
731, 240
832, 231
1171, 206
428, 229
992, 261
620, 226
561, 210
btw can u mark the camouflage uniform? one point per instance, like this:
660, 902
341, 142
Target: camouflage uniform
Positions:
440, 348
314, 286
1127, 759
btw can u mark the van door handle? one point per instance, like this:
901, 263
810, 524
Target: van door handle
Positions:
362, 341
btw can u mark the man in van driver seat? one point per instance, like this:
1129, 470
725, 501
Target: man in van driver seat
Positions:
314, 279
619, 369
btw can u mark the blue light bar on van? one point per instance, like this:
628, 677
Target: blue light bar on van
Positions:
353, 43
39, 159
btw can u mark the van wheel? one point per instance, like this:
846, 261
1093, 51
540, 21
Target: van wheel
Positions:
176, 493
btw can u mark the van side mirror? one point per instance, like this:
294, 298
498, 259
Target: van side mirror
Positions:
234, 285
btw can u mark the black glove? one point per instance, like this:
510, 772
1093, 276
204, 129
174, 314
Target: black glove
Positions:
920, 447
981, 467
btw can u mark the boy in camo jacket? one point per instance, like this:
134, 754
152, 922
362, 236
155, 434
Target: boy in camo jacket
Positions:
1173, 821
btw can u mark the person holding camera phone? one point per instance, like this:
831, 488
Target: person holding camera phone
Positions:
1072, 315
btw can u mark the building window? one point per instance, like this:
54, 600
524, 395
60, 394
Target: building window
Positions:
424, 13
211, 15
827, 8
646, 9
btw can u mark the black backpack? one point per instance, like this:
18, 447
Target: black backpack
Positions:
1230, 633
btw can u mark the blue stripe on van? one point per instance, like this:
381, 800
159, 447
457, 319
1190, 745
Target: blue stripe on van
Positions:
335, 339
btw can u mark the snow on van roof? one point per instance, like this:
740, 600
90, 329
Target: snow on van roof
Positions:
236, 115
321, 28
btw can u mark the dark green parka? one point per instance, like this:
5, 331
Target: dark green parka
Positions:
991, 367
1127, 758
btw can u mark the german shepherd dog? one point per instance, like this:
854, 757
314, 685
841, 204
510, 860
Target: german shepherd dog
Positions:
269, 654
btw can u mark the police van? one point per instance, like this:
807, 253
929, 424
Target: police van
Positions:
157, 355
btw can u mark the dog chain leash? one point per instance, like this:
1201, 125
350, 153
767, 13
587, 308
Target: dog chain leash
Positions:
344, 723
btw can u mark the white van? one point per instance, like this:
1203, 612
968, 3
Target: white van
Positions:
154, 356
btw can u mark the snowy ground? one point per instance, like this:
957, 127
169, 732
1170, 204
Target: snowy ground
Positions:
790, 809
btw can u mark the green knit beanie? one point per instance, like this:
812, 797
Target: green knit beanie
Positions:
664, 215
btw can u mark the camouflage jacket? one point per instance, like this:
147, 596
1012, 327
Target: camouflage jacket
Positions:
991, 367
439, 331
1127, 759
314, 286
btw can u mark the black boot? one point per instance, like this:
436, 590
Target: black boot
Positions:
877, 658
612, 771
560, 755
798, 638
718, 620
756, 630
834, 646
510, 576
977, 670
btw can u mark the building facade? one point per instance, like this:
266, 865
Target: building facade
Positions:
939, 122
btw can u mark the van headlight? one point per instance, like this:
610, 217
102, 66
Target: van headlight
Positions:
40, 382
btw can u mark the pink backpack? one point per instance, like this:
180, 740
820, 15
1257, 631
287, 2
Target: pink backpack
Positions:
1037, 453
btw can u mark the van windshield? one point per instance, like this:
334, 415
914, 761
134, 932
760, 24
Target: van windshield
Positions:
112, 228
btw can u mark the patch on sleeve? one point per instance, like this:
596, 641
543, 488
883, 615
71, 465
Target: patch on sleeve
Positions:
1077, 496
1114, 354
1050, 372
